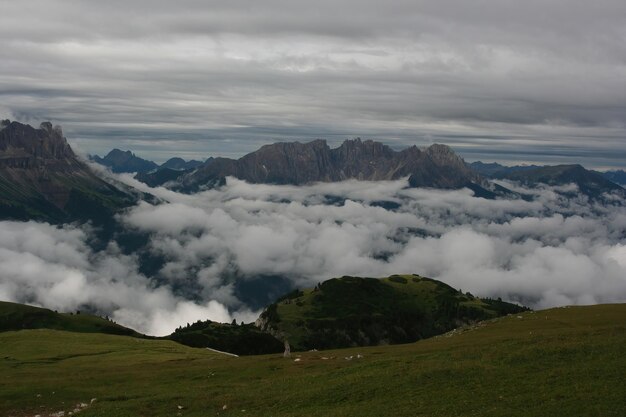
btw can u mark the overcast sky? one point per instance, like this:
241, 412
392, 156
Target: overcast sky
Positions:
536, 81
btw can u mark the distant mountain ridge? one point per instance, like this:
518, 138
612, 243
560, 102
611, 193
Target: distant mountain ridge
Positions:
41, 178
617, 176
591, 183
124, 162
179, 164
301, 163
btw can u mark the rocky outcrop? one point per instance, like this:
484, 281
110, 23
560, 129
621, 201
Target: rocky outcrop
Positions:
301, 163
22, 146
41, 178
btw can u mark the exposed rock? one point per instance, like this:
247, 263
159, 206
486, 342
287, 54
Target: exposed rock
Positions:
41, 177
301, 163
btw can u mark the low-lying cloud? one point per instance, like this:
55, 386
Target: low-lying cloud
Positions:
550, 251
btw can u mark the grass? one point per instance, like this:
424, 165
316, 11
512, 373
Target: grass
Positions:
19, 316
353, 311
559, 362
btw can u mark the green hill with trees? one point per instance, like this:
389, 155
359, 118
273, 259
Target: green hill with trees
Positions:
353, 311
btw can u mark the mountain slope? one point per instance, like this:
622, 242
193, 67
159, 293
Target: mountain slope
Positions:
616, 176
244, 339
124, 161
301, 163
353, 311
180, 164
494, 169
41, 178
590, 183
549, 363
19, 317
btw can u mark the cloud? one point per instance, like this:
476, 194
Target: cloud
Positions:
223, 253
544, 252
53, 267
538, 81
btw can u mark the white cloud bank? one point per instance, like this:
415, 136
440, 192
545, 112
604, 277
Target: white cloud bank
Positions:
547, 252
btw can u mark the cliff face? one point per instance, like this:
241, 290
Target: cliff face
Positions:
22, 146
300, 163
41, 177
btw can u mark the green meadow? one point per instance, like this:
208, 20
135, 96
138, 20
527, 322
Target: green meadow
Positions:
558, 362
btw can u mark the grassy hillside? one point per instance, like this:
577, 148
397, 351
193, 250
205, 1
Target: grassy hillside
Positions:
560, 362
352, 311
19, 316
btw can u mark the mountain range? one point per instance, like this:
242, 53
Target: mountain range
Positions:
302, 163
41, 177
436, 166
591, 183
127, 162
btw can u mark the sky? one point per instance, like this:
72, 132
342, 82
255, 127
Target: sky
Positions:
498, 80
548, 252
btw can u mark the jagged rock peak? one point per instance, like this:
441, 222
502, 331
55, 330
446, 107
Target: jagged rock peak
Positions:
50, 130
23, 140
4, 123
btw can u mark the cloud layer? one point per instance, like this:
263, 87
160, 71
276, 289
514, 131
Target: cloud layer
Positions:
550, 251
504, 80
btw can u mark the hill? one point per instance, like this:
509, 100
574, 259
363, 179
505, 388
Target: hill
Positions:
42, 179
19, 317
558, 362
242, 339
353, 311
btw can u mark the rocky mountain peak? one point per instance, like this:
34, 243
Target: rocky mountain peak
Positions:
302, 163
22, 144
41, 177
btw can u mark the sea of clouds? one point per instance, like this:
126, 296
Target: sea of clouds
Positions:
543, 252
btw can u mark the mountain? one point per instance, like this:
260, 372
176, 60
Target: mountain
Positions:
125, 161
41, 178
161, 176
617, 176
240, 339
169, 172
591, 183
19, 316
353, 311
179, 164
302, 163
494, 169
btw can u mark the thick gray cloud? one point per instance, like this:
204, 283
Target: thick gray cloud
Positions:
551, 251
505, 80
53, 267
